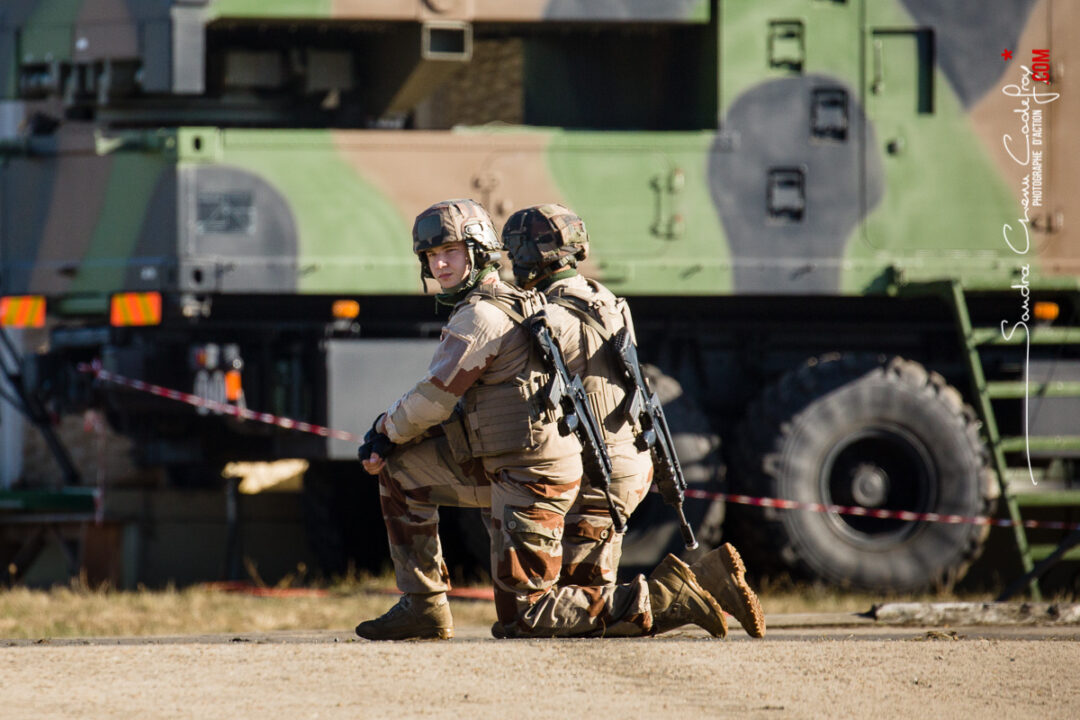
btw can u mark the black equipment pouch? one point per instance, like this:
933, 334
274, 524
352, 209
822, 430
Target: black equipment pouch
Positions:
457, 438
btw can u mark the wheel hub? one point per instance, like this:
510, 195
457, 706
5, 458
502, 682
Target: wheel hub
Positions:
869, 485
878, 466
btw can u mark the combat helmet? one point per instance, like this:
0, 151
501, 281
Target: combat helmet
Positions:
544, 239
457, 221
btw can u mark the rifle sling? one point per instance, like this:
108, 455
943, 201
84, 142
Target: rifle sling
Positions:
506, 308
568, 303
578, 308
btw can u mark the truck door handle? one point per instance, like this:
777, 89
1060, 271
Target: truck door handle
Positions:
879, 68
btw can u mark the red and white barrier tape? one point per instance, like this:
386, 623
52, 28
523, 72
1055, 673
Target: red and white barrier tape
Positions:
290, 424
214, 406
882, 514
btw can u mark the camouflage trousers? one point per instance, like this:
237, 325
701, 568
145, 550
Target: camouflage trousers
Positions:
527, 497
591, 547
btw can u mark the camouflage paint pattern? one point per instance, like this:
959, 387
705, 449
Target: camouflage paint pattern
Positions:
82, 228
1050, 25
88, 31
471, 10
920, 188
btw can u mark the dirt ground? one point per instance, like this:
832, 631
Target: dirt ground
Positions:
796, 672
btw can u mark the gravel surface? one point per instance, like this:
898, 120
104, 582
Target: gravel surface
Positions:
795, 672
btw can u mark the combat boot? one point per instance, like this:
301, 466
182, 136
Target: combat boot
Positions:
415, 617
677, 599
723, 575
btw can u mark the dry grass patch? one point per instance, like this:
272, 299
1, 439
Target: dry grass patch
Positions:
76, 611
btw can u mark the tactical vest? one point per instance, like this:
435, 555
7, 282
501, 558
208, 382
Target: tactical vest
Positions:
603, 315
507, 416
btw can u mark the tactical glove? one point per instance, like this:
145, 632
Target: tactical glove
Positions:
375, 442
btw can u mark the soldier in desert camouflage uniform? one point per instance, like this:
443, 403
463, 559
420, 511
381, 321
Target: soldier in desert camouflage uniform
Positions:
473, 433
545, 244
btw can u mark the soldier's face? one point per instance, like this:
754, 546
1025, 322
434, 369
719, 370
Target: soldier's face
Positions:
449, 264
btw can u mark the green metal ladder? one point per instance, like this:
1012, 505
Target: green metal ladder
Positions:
984, 392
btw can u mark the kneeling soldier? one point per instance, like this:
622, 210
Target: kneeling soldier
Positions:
474, 433
545, 244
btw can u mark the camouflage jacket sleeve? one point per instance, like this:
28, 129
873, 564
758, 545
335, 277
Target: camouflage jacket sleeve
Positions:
469, 343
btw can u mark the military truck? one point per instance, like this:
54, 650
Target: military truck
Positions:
838, 224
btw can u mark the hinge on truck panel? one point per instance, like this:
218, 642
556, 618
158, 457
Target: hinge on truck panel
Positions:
786, 194
668, 222
829, 114
787, 48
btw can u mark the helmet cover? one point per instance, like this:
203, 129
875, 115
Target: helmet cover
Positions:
453, 221
543, 238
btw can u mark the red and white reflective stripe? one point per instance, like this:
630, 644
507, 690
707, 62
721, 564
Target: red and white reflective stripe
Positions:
870, 512
224, 408
290, 424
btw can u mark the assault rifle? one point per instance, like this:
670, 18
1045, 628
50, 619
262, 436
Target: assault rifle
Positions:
644, 408
568, 393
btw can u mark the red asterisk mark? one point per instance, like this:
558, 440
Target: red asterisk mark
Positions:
1007, 55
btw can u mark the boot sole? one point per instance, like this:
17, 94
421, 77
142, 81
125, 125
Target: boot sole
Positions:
438, 634
747, 607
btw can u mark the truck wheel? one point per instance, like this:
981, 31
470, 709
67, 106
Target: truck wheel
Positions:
875, 432
653, 530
